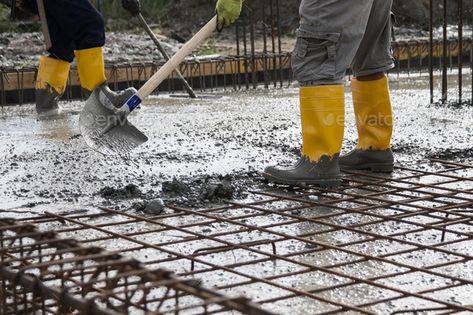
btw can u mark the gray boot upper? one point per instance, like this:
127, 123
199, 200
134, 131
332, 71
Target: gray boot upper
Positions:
46, 100
373, 160
325, 172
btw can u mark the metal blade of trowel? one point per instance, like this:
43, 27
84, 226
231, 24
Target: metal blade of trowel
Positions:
98, 113
106, 129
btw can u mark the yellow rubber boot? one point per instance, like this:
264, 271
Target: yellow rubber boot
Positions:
374, 121
51, 82
323, 119
91, 67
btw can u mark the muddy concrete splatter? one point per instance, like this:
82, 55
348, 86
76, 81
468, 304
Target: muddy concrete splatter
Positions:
128, 192
452, 154
21, 50
200, 153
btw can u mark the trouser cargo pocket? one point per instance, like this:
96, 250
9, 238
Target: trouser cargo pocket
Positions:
314, 55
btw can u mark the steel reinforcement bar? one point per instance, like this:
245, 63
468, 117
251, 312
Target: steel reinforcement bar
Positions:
43, 274
238, 72
17, 85
463, 21
396, 244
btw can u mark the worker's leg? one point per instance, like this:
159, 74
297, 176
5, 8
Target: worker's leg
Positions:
328, 38
85, 26
51, 82
53, 70
371, 95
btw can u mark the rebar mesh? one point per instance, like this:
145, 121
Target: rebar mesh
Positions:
395, 244
43, 274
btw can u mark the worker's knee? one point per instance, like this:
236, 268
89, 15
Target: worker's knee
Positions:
314, 57
92, 32
77, 22
97, 21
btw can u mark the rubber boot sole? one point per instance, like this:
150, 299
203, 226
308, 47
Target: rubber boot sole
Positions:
325, 183
372, 167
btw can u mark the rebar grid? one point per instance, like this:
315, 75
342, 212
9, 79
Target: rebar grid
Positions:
464, 22
229, 72
43, 274
378, 244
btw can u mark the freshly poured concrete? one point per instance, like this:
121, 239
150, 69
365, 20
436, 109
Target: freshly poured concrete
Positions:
47, 166
205, 150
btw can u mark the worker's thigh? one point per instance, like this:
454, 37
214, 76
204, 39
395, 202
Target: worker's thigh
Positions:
328, 38
374, 54
79, 18
73, 25
62, 43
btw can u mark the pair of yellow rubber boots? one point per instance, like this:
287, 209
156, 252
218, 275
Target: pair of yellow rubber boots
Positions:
53, 74
323, 121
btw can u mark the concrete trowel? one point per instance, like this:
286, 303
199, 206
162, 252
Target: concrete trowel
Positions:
106, 129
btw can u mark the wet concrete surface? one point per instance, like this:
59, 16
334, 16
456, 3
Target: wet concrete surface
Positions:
205, 151
200, 153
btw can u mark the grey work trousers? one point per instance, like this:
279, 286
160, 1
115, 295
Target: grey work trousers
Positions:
335, 35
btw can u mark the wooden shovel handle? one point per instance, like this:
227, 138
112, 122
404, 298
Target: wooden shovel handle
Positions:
44, 24
177, 59
165, 55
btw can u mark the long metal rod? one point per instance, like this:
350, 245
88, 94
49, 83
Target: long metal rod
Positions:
460, 54
431, 51
445, 53
163, 52
44, 24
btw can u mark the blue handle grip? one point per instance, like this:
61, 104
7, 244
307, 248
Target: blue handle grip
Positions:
134, 102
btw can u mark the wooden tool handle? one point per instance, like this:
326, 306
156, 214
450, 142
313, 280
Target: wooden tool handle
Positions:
176, 60
165, 55
44, 24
